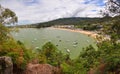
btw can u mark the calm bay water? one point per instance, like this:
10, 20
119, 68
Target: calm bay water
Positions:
64, 40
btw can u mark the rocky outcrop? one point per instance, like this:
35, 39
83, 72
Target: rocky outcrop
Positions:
41, 69
6, 65
98, 70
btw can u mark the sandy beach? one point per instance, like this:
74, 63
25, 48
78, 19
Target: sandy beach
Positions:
89, 33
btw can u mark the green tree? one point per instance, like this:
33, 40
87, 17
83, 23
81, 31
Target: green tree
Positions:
3, 33
8, 46
6, 17
113, 28
52, 55
112, 7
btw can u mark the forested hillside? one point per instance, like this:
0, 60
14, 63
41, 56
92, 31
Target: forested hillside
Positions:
64, 21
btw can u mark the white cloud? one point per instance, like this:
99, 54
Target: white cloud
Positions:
34, 11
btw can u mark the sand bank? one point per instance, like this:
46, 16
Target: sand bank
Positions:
89, 33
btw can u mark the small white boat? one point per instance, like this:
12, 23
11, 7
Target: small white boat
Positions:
35, 39
36, 47
68, 50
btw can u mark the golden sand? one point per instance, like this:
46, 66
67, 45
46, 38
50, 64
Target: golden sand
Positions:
89, 33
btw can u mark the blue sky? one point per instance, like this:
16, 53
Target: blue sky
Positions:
34, 11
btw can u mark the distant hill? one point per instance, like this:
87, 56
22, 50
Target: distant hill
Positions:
77, 21
67, 21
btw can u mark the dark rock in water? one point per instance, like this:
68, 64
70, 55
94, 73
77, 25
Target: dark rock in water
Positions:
60, 40
6, 65
57, 45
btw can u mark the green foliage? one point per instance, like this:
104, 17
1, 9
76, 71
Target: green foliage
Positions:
50, 54
29, 54
49, 49
110, 55
3, 33
19, 54
16, 50
112, 28
7, 16
14, 56
112, 7
83, 63
66, 68
107, 53
78, 68
8, 46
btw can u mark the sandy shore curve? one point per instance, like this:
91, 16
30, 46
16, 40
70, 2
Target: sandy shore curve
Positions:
89, 33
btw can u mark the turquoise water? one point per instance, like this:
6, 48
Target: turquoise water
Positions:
65, 41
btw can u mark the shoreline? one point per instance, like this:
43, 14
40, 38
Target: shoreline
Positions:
89, 33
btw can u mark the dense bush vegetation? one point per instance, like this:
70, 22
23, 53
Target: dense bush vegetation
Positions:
15, 49
8, 46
